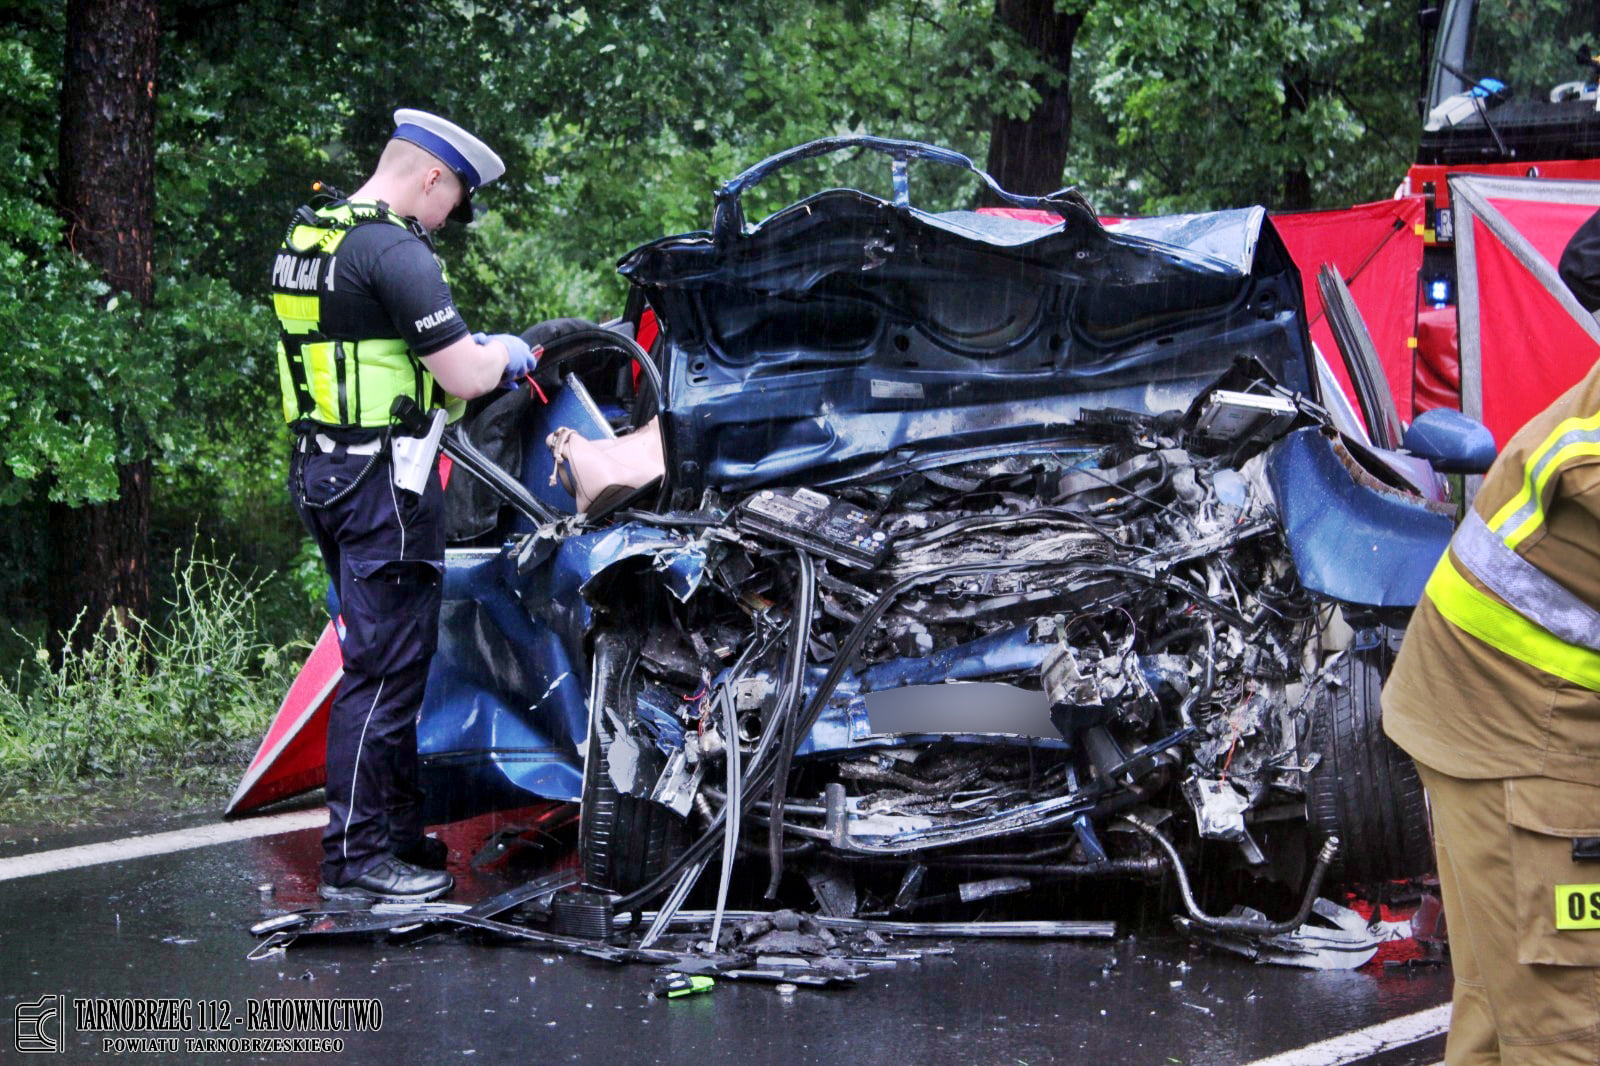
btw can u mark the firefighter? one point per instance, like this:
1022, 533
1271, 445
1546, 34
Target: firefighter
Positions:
1496, 695
366, 316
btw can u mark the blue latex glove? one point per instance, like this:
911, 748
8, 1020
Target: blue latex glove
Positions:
522, 359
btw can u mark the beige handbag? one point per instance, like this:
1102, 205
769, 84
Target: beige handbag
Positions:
601, 473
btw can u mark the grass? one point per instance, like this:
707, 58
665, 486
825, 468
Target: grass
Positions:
179, 703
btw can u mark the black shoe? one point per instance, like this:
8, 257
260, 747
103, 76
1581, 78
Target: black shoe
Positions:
391, 881
429, 853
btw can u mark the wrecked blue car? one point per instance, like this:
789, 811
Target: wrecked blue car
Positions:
990, 549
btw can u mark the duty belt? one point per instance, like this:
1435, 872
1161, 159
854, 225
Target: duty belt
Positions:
327, 444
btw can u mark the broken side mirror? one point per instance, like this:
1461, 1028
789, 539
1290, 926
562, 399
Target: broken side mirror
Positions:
1452, 442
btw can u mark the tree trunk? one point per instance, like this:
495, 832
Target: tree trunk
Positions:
1028, 155
100, 561
1296, 192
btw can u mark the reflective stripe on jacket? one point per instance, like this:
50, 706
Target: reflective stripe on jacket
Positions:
1514, 605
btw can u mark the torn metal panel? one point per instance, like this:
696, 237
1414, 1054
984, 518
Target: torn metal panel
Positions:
504, 707
1350, 541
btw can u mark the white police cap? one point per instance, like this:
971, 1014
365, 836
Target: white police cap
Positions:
472, 161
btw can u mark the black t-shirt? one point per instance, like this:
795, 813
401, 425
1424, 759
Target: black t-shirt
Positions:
387, 283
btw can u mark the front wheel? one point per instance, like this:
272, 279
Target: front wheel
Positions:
1365, 790
623, 841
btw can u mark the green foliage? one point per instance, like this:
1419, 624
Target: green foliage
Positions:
523, 278
1202, 105
143, 694
631, 114
51, 313
59, 401
93, 380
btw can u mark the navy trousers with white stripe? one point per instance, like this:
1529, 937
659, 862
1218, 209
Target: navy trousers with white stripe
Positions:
384, 550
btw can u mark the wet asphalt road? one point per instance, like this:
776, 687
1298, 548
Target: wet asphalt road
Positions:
175, 925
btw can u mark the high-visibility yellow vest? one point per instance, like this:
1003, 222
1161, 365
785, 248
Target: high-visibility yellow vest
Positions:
1525, 612
338, 382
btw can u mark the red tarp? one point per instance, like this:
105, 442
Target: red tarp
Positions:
291, 759
1531, 348
1548, 227
1378, 252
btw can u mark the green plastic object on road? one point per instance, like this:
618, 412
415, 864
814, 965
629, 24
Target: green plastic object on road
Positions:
673, 985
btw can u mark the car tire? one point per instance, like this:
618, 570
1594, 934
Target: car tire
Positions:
1365, 790
623, 841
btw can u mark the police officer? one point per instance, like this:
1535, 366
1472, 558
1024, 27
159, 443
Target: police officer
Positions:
366, 316
1496, 695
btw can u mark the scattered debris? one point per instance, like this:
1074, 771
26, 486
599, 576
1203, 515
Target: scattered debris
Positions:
782, 947
1343, 940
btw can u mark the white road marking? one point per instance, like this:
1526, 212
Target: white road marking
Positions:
1353, 1047
46, 862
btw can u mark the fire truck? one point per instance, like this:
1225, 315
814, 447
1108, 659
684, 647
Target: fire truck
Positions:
1456, 276
1508, 88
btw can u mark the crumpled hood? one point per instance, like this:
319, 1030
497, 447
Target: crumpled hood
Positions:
850, 335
